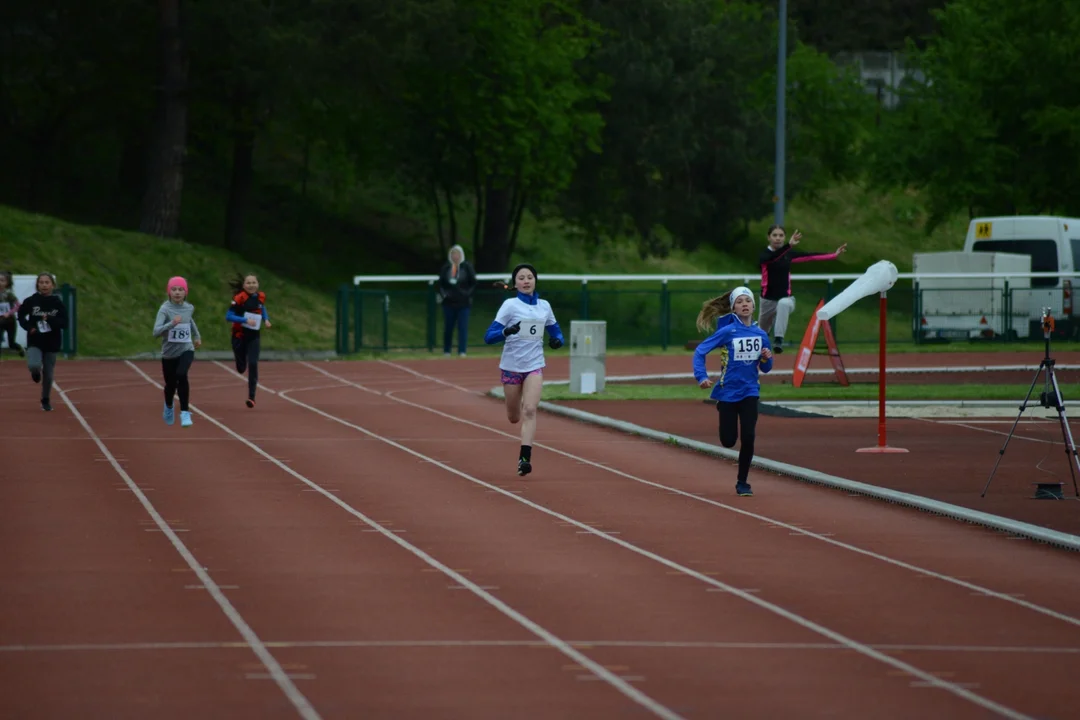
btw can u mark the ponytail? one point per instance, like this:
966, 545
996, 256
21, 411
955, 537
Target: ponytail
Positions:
237, 283
712, 309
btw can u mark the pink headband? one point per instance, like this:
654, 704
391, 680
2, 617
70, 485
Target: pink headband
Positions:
176, 282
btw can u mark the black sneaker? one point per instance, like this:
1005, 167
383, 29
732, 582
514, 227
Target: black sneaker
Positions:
46, 406
778, 346
35, 375
250, 402
524, 467
742, 489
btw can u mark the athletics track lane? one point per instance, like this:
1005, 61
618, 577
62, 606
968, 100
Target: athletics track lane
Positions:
302, 572
84, 565
856, 595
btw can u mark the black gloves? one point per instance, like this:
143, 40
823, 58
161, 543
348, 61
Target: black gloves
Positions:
554, 343
512, 330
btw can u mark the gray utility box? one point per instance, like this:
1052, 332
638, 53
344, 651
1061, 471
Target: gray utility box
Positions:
588, 355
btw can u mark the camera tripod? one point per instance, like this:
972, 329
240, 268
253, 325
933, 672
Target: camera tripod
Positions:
1050, 397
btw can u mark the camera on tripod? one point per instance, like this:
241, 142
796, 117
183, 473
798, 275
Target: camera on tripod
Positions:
1047, 323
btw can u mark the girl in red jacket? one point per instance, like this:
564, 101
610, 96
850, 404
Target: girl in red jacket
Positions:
248, 315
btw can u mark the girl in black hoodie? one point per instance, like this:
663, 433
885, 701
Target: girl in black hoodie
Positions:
43, 317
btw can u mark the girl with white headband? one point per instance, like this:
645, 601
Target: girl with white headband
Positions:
744, 351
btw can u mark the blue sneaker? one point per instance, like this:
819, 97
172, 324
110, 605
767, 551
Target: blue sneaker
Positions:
185, 418
743, 489
167, 415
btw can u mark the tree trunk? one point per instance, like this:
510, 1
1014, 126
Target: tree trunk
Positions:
165, 173
493, 255
243, 171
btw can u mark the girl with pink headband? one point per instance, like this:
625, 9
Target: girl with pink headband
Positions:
175, 325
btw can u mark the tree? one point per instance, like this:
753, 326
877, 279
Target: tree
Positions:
998, 111
494, 104
688, 141
165, 175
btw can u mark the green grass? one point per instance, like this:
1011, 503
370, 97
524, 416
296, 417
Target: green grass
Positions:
120, 275
875, 226
120, 280
860, 391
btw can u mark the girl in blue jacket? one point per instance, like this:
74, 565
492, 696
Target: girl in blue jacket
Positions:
744, 351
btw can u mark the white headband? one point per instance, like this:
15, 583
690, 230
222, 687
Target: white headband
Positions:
741, 290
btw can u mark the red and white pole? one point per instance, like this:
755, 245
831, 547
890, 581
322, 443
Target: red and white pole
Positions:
882, 446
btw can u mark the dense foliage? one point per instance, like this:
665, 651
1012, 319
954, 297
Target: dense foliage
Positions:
652, 119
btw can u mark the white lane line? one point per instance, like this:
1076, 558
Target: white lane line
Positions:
997, 432
238, 376
810, 625
738, 510
631, 644
622, 686
301, 703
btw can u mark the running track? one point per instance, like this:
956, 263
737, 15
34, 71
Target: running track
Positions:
359, 546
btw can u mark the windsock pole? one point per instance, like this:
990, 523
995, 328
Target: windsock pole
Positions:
882, 446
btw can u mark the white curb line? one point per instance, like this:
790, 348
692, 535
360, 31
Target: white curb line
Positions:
956, 512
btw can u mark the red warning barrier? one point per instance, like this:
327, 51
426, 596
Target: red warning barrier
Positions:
806, 349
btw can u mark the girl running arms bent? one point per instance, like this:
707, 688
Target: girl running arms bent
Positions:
43, 317
521, 322
179, 334
744, 349
248, 315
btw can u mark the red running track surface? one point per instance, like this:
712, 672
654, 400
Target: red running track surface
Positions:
359, 546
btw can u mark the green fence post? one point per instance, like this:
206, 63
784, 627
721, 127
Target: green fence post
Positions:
916, 314
431, 316
69, 339
386, 321
665, 315
828, 297
1006, 301
358, 318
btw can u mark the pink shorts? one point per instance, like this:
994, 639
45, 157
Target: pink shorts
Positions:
516, 378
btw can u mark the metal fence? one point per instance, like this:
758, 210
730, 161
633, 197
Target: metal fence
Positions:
402, 312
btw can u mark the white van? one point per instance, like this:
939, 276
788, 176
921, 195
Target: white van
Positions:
1054, 246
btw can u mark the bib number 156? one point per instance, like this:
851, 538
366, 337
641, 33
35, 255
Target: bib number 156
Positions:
747, 349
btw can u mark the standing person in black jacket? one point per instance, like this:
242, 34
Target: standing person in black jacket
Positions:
777, 302
43, 317
457, 281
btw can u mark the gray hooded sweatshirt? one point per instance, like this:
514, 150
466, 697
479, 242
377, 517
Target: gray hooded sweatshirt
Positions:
176, 339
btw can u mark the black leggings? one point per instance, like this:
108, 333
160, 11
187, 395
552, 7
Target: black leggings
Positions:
8, 328
732, 415
176, 381
246, 354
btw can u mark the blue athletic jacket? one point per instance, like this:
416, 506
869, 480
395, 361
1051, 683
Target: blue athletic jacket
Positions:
740, 358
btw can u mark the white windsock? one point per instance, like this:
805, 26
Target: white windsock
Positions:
877, 279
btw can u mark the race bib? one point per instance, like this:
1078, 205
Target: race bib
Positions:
43, 326
532, 330
5, 308
252, 321
180, 333
747, 349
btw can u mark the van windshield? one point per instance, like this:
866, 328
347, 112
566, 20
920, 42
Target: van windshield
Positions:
1044, 257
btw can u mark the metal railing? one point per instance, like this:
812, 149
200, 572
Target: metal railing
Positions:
397, 312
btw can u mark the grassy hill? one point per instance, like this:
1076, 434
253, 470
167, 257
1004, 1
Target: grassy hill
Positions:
120, 276
120, 279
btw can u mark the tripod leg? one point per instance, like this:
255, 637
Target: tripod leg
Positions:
1066, 432
1001, 453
